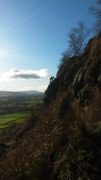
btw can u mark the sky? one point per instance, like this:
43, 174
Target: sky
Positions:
33, 36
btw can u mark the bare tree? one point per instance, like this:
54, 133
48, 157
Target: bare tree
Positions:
97, 12
77, 39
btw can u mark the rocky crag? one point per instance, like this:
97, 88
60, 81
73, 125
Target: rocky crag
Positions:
79, 74
64, 140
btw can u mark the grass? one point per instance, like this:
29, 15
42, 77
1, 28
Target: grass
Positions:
13, 118
35, 102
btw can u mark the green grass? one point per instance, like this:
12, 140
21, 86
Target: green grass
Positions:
35, 102
13, 118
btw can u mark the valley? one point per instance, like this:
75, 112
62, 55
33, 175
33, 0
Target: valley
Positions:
16, 108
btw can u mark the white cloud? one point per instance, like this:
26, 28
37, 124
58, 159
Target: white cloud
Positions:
24, 74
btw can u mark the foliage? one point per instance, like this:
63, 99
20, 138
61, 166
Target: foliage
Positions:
15, 104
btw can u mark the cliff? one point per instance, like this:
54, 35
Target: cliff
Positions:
79, 74
64, 140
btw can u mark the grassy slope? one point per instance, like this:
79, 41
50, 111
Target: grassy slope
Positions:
13, 118
10, 118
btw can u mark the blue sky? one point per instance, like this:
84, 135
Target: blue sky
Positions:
33, 35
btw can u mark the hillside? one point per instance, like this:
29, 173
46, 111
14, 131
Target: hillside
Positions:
62, 139
20, 93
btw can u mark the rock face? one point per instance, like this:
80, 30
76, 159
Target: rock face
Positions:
62, 141
79, 74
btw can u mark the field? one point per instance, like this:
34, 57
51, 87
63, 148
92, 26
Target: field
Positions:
13, 118
16, 109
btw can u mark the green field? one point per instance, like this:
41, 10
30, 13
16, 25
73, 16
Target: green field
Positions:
13, 118
15, 109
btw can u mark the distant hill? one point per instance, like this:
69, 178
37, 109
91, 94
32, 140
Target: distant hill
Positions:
20, 93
